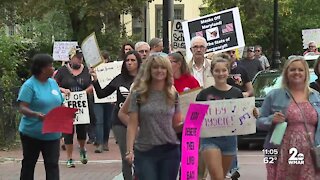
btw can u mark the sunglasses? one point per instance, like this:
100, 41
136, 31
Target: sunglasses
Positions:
257, 50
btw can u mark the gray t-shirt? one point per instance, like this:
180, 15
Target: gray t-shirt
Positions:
155, 121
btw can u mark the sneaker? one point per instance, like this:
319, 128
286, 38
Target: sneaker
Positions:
70, 163
105, 147
99, 149
235, 175
83, 156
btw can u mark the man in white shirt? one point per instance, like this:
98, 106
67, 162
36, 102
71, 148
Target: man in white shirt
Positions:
262, 58
200, 66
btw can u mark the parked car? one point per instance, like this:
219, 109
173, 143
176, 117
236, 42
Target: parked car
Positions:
264, 82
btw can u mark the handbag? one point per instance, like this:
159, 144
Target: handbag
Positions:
314, 150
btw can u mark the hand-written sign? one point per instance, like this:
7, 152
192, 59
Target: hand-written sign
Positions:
61, 50
79, 100
91, 51
177, 35
190, 141
105, 73
229, 117
222, 30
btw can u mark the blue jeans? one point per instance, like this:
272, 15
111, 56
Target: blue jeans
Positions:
160, 163
103, 113
50, 151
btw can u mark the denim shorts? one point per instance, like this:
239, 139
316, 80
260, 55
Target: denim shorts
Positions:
226, 144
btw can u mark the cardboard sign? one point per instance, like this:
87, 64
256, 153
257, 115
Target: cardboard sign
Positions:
105, 73
186, 98
190, 141
61, 50
229, 117
79, 100
91, 51
222, 30
177, 38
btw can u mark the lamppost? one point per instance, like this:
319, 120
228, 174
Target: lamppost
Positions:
276, 54
167, 15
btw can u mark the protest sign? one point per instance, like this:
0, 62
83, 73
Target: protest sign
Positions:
229, 117
105, 73
61, 50
79, 100
222, 30
177, 38
60, 119
310, 35
186, 98
91, 51
190, 141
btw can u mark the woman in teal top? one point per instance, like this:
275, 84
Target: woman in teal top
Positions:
37, 96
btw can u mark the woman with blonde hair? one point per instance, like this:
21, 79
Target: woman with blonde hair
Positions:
155, 110
298, 105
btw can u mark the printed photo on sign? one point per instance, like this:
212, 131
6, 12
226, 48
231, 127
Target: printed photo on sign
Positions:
222, 30
212, 33
79, 100
229, 117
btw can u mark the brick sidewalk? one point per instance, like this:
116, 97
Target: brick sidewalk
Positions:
104, 166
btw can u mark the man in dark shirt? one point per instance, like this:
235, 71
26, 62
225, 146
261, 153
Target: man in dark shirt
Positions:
252, 65
238, 76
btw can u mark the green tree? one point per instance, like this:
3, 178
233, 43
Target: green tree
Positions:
13, 53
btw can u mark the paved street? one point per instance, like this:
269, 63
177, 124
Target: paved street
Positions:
107, 165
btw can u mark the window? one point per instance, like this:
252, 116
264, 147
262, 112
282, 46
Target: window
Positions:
178, 14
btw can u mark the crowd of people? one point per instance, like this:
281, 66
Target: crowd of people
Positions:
146, 119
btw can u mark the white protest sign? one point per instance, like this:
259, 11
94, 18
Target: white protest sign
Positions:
105, 73
229, 117
222, 30
91, 51
177, 38
79, 100
310, 35
61, 50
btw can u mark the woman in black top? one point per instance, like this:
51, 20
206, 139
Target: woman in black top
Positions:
74, 77
121, 84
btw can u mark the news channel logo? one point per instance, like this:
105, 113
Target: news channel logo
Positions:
296, 157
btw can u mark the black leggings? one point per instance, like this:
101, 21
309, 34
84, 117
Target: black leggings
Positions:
81, 134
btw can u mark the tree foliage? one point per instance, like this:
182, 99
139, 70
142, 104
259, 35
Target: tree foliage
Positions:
257, 21
13, 54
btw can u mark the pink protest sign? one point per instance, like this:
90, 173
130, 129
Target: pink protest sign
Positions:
190, 141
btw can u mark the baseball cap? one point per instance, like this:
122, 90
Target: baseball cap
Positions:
75, 51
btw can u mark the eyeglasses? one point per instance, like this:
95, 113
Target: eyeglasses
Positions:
312, 46
250, 51
143, 51
198, 47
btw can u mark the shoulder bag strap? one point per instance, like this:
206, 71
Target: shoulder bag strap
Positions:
304, 120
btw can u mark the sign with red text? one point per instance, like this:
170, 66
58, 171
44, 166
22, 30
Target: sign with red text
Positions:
229, 117
79, 100
190, 141
222, 30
